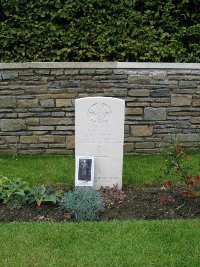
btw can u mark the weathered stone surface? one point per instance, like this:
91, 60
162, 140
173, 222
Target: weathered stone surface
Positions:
87, 71
158, 105
181, 100
60, 96
42, 146
195, 120
56, 121
129, 147
131, 139
26, 72
35, 95
32, 151
188, 137
141, 79
104, 72
160, 93
159, 75
183, 113
58, 114
40, 128
187, 84
134, 111
70, 142
141, 130
181, 124
63, 103
138, 104
132, 119
35, 82
71, 72
84, 77
124, 85
59, 138
42, 71
9, 74
147, 151
117, 77
12, 125
57, 145
27, 103
47, 103
184, 91
46, 139
32, 121
196, 102
66, 84
7, 102
58, 151
66, 78
116, 92
155, 114
96, 84
11, 139
53, 84
29, 139
31, 89
145, 145
57, 72
66, 128
140, 92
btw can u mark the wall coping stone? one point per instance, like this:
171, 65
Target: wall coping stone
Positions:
98, 65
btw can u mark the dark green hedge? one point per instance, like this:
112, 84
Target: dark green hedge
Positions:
100, 30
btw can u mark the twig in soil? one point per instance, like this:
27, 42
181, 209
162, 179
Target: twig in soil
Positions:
180, 206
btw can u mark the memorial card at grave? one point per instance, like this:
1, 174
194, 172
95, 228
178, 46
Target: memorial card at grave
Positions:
99, 133
84, 171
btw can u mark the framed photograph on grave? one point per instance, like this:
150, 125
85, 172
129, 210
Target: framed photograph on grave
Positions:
84, 174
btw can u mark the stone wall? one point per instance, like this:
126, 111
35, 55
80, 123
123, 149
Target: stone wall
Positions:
37, 103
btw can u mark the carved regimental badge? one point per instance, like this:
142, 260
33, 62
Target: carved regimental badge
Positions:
99, 113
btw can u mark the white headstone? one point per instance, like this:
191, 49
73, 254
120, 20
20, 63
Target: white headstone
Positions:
99, 133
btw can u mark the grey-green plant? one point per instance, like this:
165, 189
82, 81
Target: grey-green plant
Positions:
84, 204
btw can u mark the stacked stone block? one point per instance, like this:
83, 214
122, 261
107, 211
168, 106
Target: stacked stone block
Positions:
37, 106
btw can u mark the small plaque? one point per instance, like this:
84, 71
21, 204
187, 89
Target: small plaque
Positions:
84, 171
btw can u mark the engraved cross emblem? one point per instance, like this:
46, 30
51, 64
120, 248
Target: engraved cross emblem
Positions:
99, 155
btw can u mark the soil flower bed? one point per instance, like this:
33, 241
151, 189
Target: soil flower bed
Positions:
142, 203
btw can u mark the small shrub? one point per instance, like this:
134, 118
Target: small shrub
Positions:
112, 194
83, 203
177, 169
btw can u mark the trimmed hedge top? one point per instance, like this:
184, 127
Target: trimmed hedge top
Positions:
100, 30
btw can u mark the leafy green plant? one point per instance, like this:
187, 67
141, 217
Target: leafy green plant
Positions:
84, 204
41, 194
14, 193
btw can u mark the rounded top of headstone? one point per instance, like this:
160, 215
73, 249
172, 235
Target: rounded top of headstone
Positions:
100, 98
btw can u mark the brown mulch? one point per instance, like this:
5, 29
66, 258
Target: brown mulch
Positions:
146, 203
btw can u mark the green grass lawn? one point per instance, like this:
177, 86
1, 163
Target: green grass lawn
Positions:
125, 243
171, 243
51, 170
